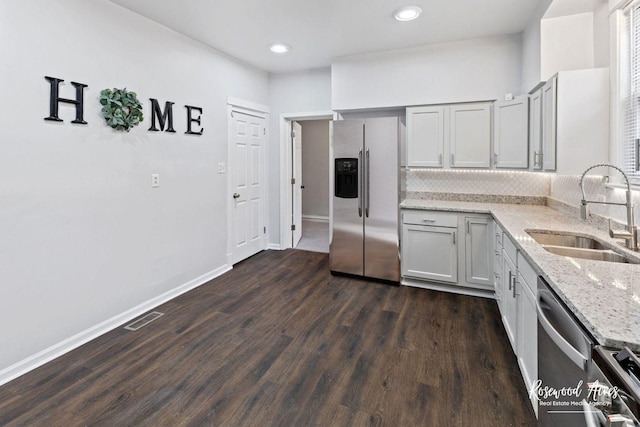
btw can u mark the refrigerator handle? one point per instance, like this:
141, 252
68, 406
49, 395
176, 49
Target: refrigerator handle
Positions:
368, 171
360, 189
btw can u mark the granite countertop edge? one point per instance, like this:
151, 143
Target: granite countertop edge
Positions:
610, 311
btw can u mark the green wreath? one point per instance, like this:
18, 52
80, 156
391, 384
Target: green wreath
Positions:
121, 109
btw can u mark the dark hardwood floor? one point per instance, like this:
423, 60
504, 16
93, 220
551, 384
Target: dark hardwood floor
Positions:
278, 341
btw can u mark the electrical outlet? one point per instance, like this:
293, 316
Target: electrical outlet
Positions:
155, 180
222, 168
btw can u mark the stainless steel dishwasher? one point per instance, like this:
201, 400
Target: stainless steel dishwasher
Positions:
564, 361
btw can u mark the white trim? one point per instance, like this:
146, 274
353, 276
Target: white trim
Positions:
616, 116
65, 346
448, 288
247, 105
285, 168
316, 218
274, 247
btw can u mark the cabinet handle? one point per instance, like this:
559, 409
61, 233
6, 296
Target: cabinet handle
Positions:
453, 159
510, 276
535, 158
540, 158
514, 286
428, 220
454, 237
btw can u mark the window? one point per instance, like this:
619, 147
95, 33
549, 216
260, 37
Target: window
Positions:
630, 92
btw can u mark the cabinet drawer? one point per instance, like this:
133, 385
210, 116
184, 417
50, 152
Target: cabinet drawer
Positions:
510, 248
528, 274
434, 218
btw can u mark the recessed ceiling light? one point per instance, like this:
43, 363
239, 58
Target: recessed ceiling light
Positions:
279, 48
407, 13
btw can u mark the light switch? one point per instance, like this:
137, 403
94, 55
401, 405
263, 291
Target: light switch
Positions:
222, 168
155, 180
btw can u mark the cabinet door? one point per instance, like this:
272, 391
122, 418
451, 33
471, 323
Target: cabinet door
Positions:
478, 259
527, 335
535, 128
429, 253
549, 125
470, 135
497, 263
511, 142
425, 136
509, 302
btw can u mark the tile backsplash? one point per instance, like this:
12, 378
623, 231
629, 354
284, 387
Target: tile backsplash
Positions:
477, 182
565, 188
561, 188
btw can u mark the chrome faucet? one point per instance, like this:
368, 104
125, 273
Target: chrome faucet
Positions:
631, 234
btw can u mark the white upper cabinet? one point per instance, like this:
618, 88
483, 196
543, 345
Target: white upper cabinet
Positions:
535, 128
511, 143
549, 127
470, 135
425, 136
449, 136
575, 121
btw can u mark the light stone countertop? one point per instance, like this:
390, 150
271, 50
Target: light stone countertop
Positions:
604, 296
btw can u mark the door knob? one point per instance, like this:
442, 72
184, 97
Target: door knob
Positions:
236, 195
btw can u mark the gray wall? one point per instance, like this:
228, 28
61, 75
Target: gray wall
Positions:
315, 167
86, 242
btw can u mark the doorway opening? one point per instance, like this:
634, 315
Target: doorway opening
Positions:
305, 202
310, 192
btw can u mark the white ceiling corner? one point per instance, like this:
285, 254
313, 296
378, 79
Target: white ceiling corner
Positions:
320, 30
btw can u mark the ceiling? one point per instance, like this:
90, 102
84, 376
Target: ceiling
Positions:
319, 31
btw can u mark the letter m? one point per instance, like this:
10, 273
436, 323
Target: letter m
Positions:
164, 118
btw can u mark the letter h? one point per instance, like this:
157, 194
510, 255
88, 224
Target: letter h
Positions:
54, 100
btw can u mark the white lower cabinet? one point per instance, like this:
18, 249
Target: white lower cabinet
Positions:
430, 253
478, 260
447, 248
519, 314
527, 334
509, 300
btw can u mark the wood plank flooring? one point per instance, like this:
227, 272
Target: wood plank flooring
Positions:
278, 341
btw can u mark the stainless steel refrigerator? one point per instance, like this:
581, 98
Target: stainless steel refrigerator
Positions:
364, 238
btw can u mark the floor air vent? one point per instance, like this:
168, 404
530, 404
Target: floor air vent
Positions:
144, 320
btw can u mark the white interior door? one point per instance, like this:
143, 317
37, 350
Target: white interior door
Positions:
296, 182
246, 157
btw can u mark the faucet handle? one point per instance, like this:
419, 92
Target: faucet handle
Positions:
620, 234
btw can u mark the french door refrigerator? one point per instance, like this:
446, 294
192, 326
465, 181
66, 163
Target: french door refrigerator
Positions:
364, 238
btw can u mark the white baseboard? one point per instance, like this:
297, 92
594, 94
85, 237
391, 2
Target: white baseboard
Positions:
274, 246
316, 218
65, 346
448, 288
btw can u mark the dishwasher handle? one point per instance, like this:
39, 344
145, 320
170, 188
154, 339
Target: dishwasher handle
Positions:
546, 298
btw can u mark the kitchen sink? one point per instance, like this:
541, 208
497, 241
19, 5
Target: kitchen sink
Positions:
592, 254
578, 246
566, 239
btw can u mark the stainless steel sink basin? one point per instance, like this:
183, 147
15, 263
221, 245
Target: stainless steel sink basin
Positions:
592, 254
577, 246
566, 239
